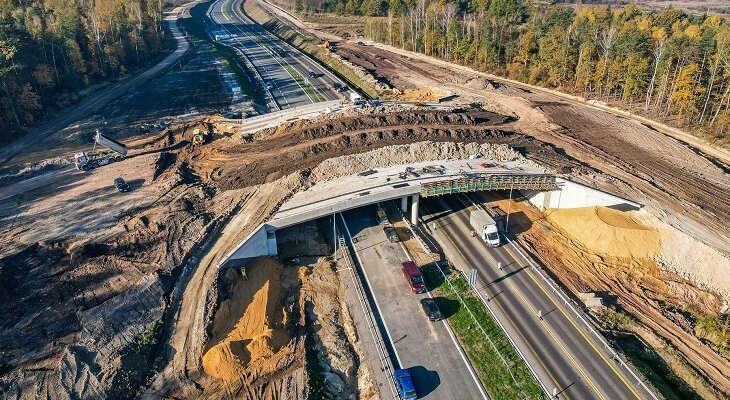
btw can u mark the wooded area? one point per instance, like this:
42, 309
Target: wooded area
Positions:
51, 50
667, 65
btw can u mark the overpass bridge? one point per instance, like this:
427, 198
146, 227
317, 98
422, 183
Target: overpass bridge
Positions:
411, 182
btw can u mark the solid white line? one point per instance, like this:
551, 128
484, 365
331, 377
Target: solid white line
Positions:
387, 331
274, 40
453, 338
240, 20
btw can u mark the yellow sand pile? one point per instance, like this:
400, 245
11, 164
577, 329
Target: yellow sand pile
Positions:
424, 95
607, 232
250, 327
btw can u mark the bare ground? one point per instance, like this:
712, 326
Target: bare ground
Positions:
75, 305
109, 294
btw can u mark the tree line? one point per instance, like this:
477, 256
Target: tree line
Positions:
668, 65
51, 50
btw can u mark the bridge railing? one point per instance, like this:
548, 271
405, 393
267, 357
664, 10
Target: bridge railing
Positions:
474, 182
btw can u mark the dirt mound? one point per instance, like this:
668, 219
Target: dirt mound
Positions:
250, 327
424, 94
607, 231
653, 296
305, 145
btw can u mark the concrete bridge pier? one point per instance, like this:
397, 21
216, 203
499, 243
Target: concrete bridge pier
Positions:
414, 209
404, 204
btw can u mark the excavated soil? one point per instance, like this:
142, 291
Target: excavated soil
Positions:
607, 232
676, 181
303, 145
120, 297
648, 293
422, 95
125, 303
249, 329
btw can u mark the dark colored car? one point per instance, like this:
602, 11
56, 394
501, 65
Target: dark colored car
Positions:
431, 309
313, 74
121, 185
404, 384
391, 234
414, 277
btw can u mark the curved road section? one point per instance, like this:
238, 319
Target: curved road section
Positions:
97, 101
291, 78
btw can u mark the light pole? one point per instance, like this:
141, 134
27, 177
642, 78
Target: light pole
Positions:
509, 203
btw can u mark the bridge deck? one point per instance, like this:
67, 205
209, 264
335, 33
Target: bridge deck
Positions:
382, 184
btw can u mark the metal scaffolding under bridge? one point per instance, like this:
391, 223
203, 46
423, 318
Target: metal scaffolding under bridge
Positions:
489, 181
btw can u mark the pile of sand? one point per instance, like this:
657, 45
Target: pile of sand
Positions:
249, 327
607, 232
423, 95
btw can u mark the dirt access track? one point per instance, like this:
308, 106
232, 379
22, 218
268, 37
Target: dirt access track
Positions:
104, 294
125, 306
676, 181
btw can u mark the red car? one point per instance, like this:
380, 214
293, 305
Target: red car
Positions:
414, 277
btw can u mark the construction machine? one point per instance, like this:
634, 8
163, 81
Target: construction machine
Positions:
115, 152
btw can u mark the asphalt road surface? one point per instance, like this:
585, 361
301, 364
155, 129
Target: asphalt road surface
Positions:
427, 348
285, 69
565, 356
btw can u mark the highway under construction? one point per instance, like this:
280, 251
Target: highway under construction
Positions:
264, 257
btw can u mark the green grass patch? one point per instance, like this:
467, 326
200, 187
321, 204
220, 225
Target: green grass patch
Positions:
456, 300
313, 94
151, 335
309, 46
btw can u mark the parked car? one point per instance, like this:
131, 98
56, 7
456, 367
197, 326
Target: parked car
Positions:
431, 309
391, 234
414, 277
404, 384
121, 185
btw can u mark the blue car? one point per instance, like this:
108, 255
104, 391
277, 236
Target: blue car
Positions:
404, 384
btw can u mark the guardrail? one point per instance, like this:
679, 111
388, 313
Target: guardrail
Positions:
494, 316
579, 315
243, 57
509, 337
425, 247
385, 365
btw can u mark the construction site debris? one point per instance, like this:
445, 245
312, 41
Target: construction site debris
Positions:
118, 265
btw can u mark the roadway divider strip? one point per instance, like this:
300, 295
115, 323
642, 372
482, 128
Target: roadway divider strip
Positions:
567, 302
462, 352
420, 241
245, 59
386, 365
266, 49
